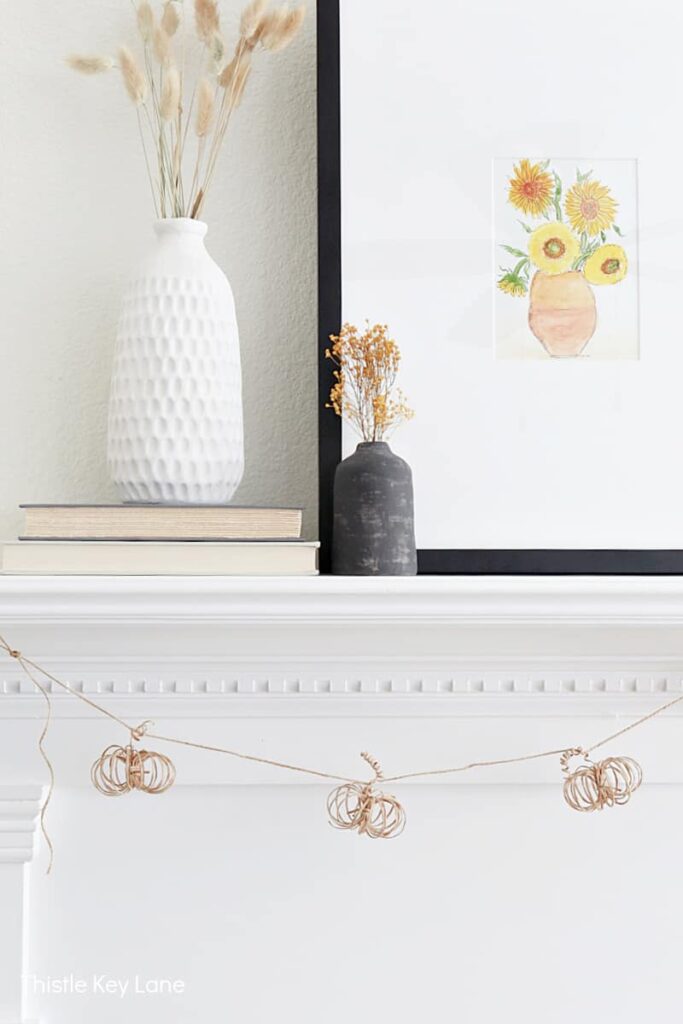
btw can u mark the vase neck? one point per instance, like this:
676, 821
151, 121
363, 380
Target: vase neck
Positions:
174, 228
373, 444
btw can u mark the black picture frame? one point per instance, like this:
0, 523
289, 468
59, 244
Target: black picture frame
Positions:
466, 562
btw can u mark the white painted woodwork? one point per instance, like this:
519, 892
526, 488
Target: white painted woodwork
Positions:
19, 810
214, 880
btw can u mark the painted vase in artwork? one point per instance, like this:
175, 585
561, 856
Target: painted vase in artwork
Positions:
175, 410
562, 313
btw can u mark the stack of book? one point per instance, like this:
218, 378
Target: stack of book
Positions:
162, 540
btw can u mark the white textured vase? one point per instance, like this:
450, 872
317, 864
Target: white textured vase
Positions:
175, 409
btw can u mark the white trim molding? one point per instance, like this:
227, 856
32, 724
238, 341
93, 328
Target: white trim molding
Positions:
428, 669
19, 812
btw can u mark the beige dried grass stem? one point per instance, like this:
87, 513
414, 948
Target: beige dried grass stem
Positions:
161, 44
156, 84
251, 19
89, 65
170, 19
133, 78
145, 18
205, 107
170, 94
206, 19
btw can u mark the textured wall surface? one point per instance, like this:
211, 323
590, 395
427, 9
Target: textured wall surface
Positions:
74, 215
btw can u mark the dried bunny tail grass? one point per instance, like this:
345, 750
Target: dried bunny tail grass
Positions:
279, 28
234, 76
271, 26
170, 95
162, 45
205, 107
170, 19
227, 75
240, 80
145, 17
133, 78
293, 22
206, 19
252, 15
217, 48
89, 65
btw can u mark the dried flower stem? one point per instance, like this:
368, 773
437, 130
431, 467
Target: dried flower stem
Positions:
365, 391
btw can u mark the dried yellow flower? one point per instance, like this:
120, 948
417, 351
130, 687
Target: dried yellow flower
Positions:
365, 391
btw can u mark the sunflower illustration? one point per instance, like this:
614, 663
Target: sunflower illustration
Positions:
553, 248
607, 265
531, 188
590, 207
512, 284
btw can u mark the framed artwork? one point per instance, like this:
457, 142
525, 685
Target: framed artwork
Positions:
501, 190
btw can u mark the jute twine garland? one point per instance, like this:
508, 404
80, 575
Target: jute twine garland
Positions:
357, 805
362, 808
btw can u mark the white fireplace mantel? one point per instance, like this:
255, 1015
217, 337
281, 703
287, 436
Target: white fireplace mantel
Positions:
424, 673
425, 668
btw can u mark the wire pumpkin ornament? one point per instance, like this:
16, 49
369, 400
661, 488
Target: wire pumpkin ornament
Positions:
360, 807
599, 784
120, 770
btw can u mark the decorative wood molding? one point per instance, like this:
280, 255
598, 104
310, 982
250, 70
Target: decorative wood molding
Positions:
428, 669
522, 600
19, 811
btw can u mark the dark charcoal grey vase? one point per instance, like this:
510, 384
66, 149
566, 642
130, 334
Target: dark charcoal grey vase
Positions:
374, 522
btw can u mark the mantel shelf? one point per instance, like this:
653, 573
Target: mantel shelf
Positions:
403, 664
595, 600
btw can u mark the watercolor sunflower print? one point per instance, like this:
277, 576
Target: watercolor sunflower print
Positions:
563, 250
553, 248
590, 207
607, 265
531, 188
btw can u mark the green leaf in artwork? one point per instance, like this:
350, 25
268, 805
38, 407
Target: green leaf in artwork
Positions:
545, 165
526, 227
618, 230
514, 252
603, 236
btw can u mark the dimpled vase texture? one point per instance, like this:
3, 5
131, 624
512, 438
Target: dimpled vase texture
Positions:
373, 530
175, 408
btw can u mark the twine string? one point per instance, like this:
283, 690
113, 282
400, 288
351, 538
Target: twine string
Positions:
43, 753
24, 661
251, 757
138, 731
633, 725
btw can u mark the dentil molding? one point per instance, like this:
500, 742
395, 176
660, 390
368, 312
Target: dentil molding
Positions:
428, 668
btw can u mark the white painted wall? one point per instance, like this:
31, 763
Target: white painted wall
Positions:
497, 904
74, 214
